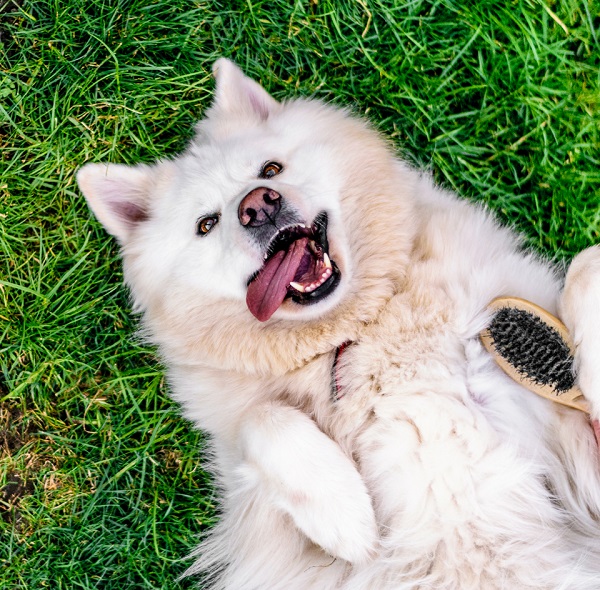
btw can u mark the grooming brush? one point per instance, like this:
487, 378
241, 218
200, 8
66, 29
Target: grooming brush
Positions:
535, 349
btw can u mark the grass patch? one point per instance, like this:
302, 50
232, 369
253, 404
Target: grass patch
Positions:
100, 481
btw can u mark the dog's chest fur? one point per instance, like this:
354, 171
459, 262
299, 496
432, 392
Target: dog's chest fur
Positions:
391, 371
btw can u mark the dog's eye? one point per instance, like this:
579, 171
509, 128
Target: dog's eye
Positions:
205, 224
270, 169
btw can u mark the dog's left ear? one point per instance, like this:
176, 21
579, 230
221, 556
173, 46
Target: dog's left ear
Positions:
118, 195
236, 94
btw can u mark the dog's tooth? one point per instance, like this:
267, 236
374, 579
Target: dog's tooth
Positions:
325, 275
297, 286
326, 260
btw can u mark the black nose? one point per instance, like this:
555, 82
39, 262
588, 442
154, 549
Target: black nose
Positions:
260, 206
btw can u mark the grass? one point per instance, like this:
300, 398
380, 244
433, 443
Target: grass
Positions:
101, 485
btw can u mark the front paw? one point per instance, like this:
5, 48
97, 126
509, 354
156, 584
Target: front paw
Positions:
306, 474
335, 513
580, 311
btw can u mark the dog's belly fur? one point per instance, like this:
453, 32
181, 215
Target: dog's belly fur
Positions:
447, 482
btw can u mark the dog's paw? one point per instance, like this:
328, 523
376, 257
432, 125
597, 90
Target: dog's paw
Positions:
307, 475
580, 311
338, 516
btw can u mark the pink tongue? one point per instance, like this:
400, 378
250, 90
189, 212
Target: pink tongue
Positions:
268, 290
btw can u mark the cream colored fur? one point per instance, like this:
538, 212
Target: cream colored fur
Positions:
434, 470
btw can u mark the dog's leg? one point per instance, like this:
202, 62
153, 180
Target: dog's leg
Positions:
580, 311
308, 476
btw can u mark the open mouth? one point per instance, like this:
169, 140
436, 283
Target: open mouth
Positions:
297, 267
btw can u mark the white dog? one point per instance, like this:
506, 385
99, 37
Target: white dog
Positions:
317, 303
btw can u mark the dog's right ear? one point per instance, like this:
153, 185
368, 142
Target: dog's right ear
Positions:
117, 194
236, 94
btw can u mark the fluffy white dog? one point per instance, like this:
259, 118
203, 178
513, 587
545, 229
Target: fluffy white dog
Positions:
317, 304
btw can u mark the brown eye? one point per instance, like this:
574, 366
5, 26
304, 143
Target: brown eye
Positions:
270, 169
205, 224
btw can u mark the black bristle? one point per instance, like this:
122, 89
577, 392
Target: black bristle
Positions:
535, 349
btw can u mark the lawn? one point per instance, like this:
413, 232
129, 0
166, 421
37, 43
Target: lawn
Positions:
101, 483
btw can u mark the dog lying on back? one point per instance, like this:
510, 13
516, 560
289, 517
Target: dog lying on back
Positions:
317, 304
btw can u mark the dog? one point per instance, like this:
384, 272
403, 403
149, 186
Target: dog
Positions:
317, 304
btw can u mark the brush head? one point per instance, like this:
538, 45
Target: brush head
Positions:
534, 348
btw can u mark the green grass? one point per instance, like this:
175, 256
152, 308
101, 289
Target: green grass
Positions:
101, 485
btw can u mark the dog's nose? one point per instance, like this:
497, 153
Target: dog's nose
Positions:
259, 206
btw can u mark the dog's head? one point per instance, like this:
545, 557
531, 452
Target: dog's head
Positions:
277, 213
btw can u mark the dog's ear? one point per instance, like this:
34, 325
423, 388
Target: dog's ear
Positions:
117, 194
236, 94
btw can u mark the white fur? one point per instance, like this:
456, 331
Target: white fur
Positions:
434, 470
580, 310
